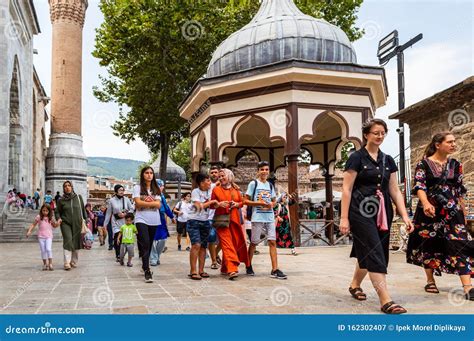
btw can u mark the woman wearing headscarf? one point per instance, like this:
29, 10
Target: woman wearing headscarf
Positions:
70, 214
231, 237
117, 207
161, 233
282, 223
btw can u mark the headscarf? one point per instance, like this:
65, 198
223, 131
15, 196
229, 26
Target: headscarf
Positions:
116, 189
68, 196
280, 197
230, 177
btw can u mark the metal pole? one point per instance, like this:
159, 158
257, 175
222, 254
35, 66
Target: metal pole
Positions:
401, 106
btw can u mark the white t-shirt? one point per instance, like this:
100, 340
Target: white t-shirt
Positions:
148, 216
212, 211
203, 197
184, 207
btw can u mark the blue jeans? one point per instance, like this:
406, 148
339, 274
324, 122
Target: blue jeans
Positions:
156, 250
198, 232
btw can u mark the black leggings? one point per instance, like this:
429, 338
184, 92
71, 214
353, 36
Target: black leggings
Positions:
146, 233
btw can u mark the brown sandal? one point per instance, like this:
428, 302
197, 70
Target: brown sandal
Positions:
233, 276
431, 288
358, 294
392, 308
204, 275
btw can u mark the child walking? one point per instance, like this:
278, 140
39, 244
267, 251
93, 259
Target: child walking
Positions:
127, 234
182, 210
46, 223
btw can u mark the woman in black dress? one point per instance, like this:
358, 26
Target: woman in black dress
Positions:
440, 240
370, 183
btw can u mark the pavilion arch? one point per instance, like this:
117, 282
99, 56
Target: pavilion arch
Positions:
200, 148
330, 133
252, 133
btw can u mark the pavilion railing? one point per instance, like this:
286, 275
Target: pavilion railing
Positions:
320, 229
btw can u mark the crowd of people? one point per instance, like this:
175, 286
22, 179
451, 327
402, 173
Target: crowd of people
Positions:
217, 217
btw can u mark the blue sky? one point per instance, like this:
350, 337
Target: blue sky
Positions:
443, 58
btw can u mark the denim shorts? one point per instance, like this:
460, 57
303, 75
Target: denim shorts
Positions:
198, 232
212, 234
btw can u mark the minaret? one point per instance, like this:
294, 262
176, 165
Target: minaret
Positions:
66, 159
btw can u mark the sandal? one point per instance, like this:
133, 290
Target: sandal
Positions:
470, 294
431, 288
358, 294
218, 260
214, 266
51, 267
204, 275
45, 267
67, 267
392, 308
194, 277
233, 276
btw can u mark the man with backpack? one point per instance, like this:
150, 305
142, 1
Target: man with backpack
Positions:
260, 200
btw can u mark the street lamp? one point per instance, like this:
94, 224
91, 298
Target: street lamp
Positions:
388, 48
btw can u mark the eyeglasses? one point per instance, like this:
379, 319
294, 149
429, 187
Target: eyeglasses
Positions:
378, 133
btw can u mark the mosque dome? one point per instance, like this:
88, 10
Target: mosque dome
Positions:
280, 32
173, 171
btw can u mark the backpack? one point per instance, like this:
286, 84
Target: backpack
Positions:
250, 208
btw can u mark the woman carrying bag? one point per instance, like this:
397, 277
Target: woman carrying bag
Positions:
227, 221
71, 214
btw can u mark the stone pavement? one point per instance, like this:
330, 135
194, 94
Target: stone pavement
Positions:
317, 283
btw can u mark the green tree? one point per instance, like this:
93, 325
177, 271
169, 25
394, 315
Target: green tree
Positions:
154, 51
344, 155
181, 154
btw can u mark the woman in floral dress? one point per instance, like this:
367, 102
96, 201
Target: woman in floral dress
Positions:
440, 241
283, 226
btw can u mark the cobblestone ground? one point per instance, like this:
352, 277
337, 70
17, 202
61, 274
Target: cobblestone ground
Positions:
317, 283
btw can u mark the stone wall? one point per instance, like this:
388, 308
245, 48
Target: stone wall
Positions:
423, 127
16, 46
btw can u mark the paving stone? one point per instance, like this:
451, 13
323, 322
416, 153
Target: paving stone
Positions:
100, 286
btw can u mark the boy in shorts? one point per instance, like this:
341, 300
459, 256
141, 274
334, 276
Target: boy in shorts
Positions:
198, 226
261, 197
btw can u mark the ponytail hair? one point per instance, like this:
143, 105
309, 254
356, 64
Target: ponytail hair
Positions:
437, 138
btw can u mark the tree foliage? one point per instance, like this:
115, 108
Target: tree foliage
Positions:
154, 51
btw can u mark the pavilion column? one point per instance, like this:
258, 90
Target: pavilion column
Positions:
329, 207
292, 153
193, 179
293, 190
